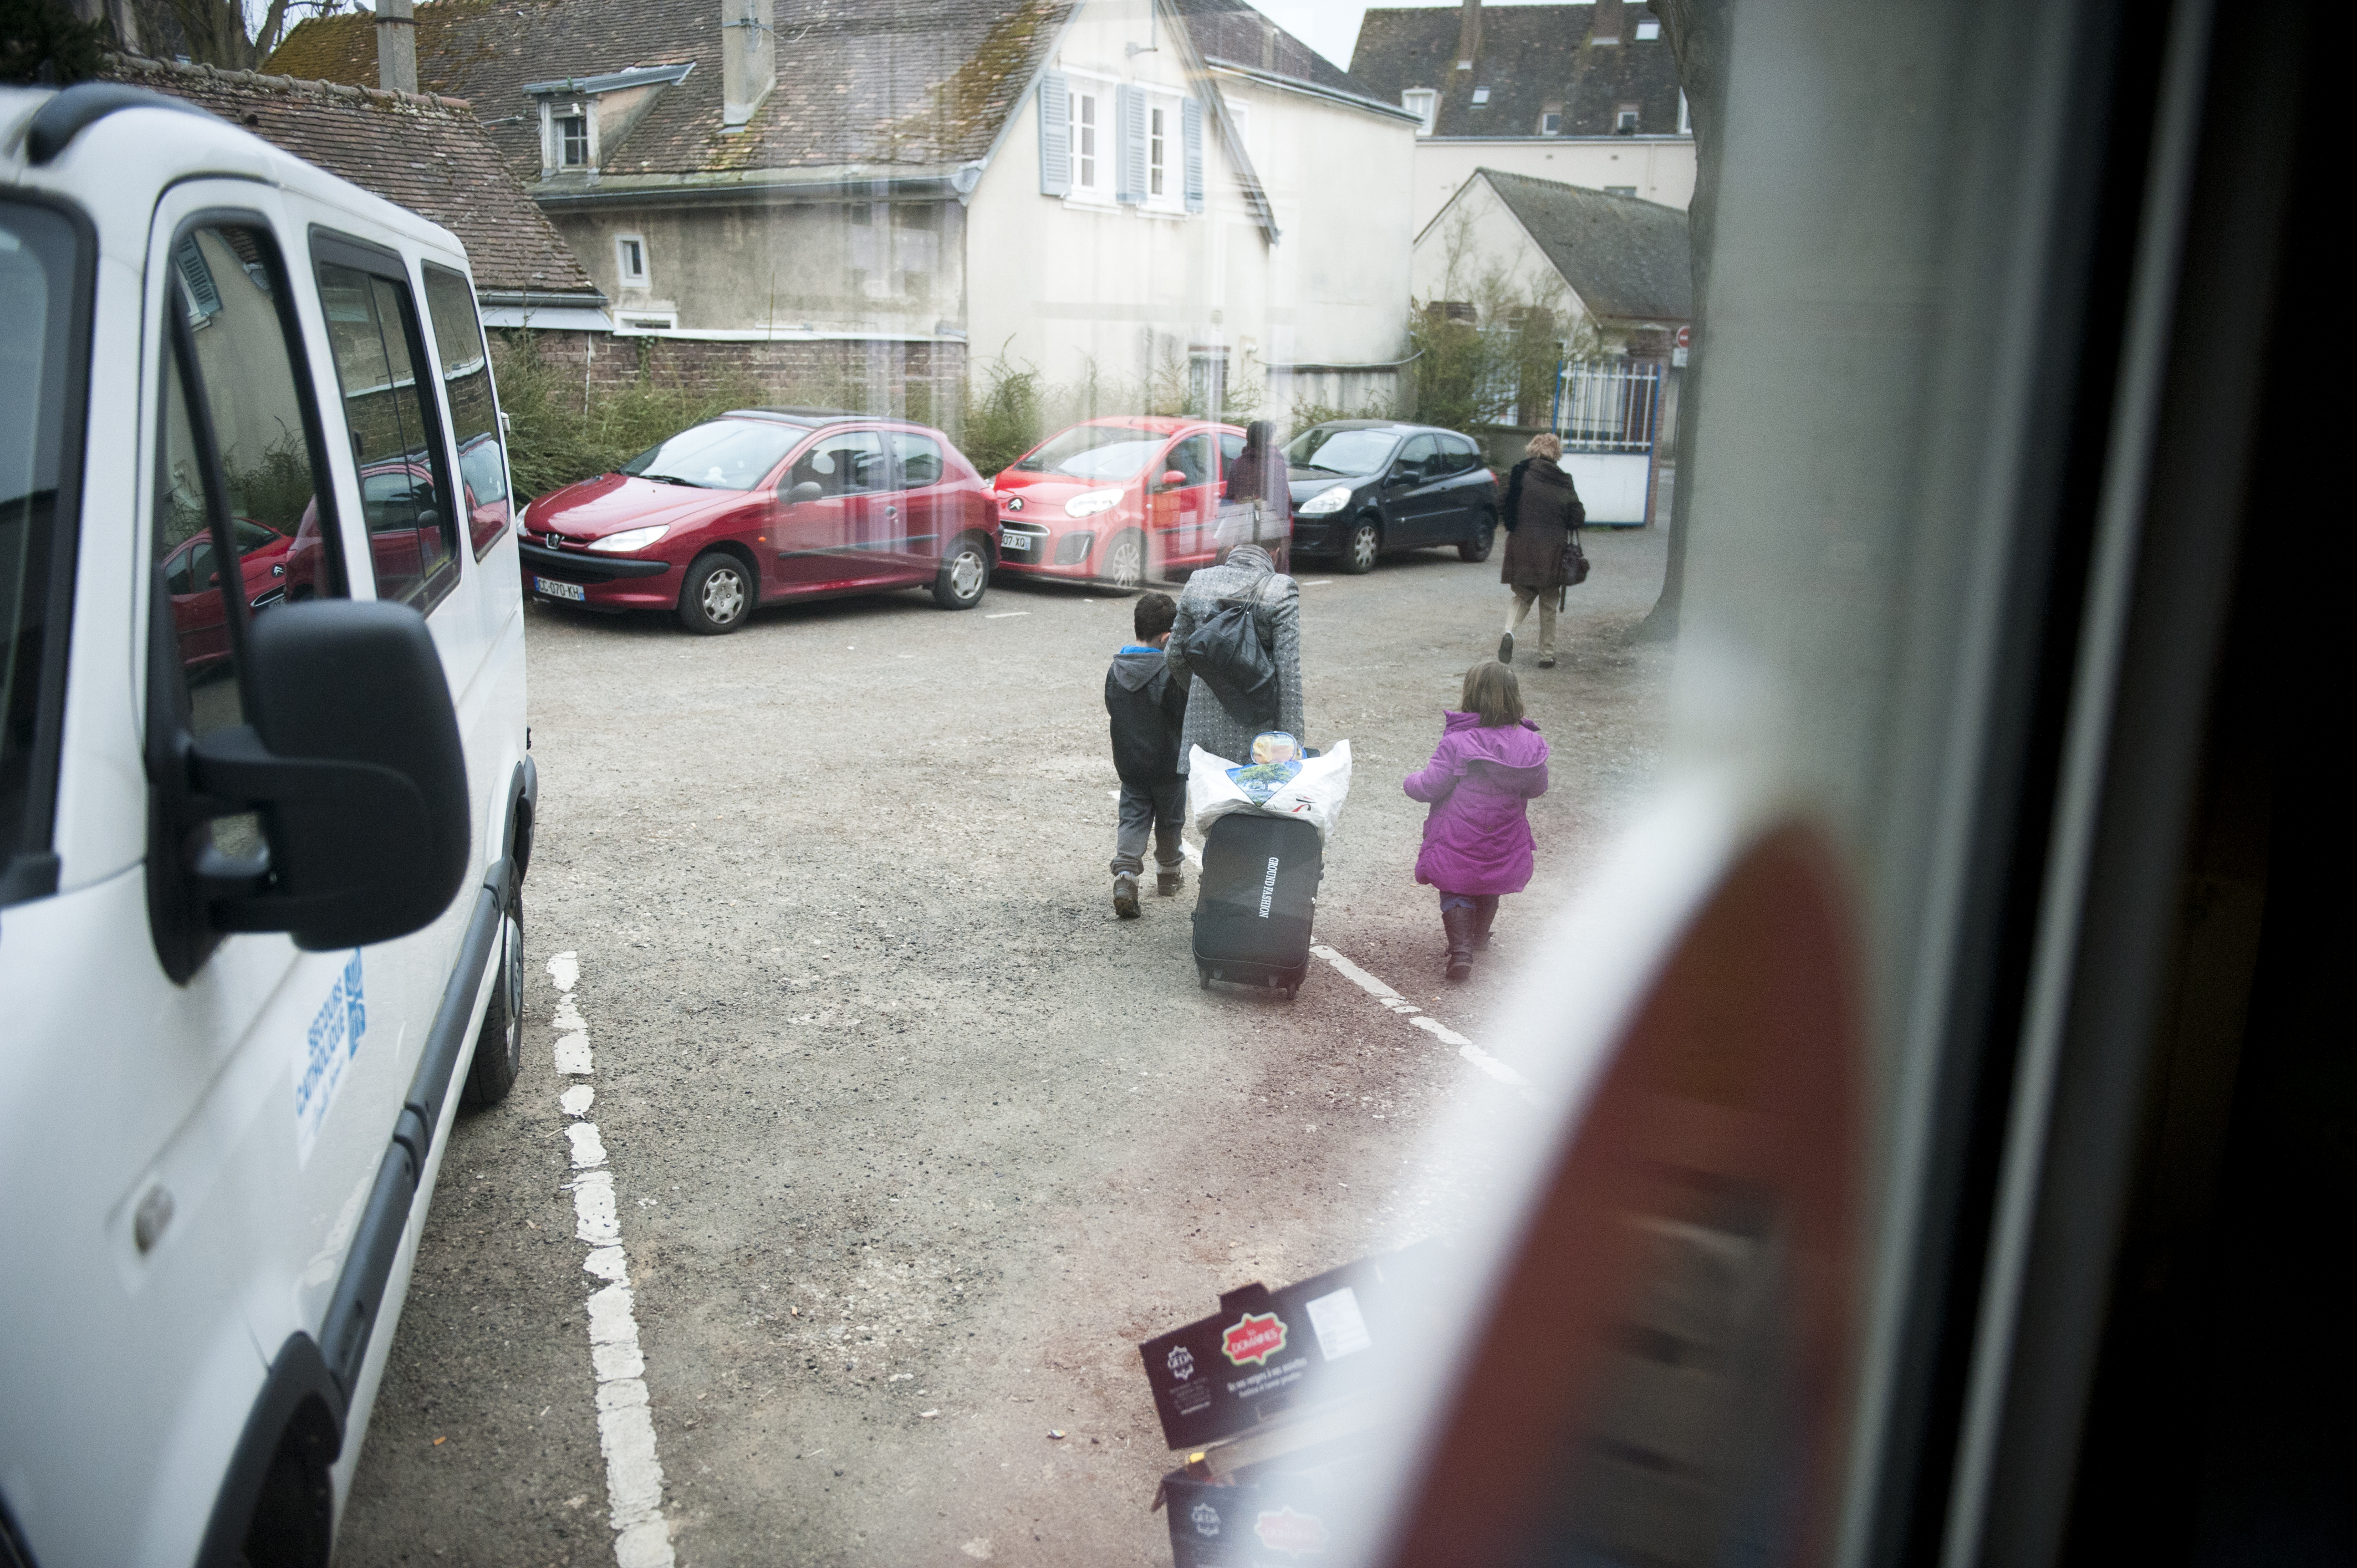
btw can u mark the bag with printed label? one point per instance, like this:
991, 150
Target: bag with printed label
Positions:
1314, 794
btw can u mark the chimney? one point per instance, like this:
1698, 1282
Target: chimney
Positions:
1468, 36
749, 59
396, 45
1608, 23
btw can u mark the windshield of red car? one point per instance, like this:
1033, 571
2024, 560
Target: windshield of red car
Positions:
723, 455
1096, 452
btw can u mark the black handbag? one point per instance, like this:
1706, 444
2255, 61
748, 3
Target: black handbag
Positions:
1227, 652
1573, 567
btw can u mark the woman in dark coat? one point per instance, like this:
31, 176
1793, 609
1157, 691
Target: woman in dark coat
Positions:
1257, 478
1541, 515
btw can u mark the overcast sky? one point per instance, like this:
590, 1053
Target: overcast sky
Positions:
1331, 26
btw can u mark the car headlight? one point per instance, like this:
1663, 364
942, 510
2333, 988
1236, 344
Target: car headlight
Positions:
1088, 503
1334, 497
631, 539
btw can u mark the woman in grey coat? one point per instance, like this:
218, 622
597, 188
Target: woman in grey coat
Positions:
1247, 576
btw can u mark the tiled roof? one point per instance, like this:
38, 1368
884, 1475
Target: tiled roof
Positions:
1529, 57
922, 82
1232, 32
424, 153
1628, 259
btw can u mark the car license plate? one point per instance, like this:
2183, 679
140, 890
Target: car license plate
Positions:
557, 590
1022, 541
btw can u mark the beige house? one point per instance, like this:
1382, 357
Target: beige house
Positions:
903, 195
1585, 95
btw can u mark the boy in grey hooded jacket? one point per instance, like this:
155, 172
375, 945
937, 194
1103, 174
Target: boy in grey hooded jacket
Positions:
1149, 709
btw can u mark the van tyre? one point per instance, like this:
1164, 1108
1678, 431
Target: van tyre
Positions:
498, 1049
1365, 543
1485, 535
718, 596
964, 574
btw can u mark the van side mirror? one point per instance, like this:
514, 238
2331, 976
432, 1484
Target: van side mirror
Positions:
1171, 480
353, 762
808, 490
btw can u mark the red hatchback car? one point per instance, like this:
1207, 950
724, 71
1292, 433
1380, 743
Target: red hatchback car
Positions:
1118, 501
763, 505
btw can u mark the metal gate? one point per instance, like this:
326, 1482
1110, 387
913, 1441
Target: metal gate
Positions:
1608, 414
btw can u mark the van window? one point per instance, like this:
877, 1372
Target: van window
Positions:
474, 412
1192, 458
413, 531
238, 525
37, 352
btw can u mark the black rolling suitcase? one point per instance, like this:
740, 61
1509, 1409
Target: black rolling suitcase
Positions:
1255, 900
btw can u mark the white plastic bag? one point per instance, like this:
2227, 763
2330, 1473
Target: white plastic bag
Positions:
1315, 794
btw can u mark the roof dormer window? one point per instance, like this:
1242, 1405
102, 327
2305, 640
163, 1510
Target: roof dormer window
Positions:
1647, 31
1423, 103
1480, 95
573, 139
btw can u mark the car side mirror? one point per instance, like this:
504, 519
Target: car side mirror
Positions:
808, 490
1171, 480
1398, 476
354, 764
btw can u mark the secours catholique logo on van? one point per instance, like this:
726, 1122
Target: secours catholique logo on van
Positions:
1254, 1339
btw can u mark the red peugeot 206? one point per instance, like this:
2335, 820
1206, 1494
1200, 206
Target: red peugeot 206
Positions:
763, 505
1120, 499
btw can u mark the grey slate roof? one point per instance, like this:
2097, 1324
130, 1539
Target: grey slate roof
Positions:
1628, 259
1529, 57
911, 82
421, 152
1232, 33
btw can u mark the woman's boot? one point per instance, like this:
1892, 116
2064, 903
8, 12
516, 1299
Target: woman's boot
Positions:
1459, 924
1485, 911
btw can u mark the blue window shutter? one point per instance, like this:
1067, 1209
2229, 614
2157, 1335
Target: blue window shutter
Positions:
1132, 186
1055, 135
1192, 117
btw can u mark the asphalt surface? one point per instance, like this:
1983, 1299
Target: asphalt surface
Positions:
912, 1141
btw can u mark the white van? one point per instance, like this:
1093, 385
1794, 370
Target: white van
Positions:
264, 814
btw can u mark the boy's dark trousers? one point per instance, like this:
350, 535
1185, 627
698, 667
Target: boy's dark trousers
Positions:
1159, 808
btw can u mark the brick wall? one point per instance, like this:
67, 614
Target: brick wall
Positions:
786, 371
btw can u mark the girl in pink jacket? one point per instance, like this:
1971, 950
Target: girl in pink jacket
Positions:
1477, 838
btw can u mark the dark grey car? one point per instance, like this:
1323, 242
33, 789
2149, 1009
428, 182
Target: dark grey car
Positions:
1363, 488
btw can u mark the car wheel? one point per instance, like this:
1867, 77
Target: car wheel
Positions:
1124, 562
719, 594
964, 574
1485, 535
498, 1049
1365, 543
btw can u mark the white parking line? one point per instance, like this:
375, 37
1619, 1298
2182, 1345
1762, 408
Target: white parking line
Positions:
1003, 615
1416, 1016
626, 1428
1320, 583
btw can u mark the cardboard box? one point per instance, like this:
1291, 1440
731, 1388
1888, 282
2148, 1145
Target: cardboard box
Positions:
1292, 1511
1267, 1354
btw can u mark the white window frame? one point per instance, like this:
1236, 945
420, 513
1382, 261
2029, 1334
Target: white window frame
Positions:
1424, 102
622, 245
1648, 30
1105, 138
553, 116
1172, 170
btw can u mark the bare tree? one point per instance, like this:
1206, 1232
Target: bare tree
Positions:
219, 32
1699, 33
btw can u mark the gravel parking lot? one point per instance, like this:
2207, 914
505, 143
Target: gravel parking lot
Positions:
910, 1140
